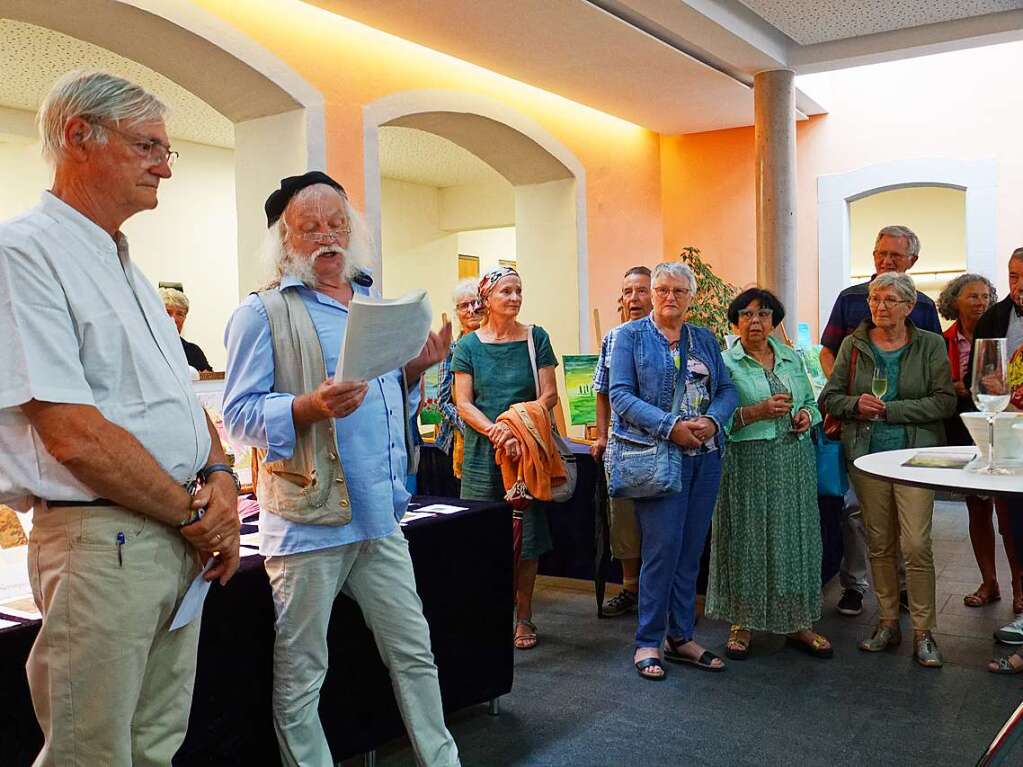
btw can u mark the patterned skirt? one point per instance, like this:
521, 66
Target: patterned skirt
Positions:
765, 563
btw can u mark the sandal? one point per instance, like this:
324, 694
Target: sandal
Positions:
737, 646
1004, 666
980, 597
705, 661
818, 647
526, 640
648, 664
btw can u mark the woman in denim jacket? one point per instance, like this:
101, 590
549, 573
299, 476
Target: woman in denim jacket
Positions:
645, 363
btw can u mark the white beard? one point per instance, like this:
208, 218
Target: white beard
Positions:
302, 267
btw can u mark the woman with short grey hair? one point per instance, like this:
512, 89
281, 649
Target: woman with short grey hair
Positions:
676, 270
892, 389
449, 436
964, 300
176, 303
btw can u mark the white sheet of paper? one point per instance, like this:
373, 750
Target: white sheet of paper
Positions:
8, 624
251, 539
191, 604
442, 508
244, 551
30, 613
382, 335
412, 516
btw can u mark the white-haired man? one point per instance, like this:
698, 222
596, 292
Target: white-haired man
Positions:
332, 484
101, 434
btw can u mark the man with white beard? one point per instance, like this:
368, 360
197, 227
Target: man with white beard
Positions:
332, 482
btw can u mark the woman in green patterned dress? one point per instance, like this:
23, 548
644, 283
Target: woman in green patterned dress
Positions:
765, 565
492, 372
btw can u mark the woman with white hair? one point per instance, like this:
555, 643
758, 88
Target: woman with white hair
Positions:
451, 428
176, 303
907, 410
669, 383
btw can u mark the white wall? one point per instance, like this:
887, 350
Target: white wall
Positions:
490, 246
190, 238
477, 206
417, 253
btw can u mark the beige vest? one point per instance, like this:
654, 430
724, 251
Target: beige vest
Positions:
310, 486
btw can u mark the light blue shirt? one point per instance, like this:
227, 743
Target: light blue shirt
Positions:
370, 441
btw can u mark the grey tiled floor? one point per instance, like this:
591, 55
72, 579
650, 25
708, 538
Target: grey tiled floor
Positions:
577, 700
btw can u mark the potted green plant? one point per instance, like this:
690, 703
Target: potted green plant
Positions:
713, 295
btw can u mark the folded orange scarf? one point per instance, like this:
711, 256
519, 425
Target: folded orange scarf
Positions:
538, 464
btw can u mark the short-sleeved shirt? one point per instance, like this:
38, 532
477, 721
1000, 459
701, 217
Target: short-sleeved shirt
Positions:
851, 309
602, 373
83, 326
502, 375
1014, 352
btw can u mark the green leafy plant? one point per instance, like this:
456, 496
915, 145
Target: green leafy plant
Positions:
712, 296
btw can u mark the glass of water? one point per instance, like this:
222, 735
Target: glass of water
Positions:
990, 390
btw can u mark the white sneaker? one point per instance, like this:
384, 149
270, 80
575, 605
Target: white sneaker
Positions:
1011, 633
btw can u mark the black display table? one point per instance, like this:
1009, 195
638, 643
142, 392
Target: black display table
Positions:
463, 566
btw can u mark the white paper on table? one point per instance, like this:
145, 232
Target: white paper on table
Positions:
442, 508
383, 335
412, 516
28, 613
251, 539
8, 624
191, 604
244, 551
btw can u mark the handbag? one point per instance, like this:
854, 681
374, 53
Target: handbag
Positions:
832, 425
564, 491
832, 479
640, 465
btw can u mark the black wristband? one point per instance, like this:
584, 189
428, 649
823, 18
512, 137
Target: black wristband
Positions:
206, 471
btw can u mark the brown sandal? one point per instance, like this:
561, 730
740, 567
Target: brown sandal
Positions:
979, 598
526, 640
737, 646
818, 646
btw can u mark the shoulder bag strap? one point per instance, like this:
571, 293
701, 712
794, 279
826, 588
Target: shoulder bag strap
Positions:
680, 374
853, 359
532, 360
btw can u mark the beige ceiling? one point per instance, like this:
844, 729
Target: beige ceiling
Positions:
573, 48
32, 58
828, 20
407, 154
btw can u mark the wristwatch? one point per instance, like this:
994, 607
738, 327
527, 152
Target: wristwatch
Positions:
205, 472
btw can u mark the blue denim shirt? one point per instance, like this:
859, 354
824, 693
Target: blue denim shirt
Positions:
643, 379
370, 441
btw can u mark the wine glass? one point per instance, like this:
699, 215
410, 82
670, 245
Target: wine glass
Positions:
990, 390
879, 385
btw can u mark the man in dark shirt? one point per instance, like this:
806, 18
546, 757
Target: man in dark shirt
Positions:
896, 249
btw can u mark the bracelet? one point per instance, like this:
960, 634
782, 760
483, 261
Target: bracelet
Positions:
742, 419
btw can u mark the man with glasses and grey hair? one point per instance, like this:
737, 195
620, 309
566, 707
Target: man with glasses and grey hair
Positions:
896, 249
101, 435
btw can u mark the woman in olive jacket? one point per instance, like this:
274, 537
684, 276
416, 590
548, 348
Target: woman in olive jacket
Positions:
909, 414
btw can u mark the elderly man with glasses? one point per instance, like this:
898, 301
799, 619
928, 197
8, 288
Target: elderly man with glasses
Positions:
101, 434
332, 481
896, 249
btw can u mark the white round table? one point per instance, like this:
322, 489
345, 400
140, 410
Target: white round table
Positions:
888, 465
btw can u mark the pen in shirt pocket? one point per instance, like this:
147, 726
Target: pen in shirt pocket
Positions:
120, 545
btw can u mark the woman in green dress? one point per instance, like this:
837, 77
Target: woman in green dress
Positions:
492, 372
765, 565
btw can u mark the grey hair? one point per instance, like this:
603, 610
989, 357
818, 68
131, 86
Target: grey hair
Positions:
900, 282
467, 288
675, 269
92, 95
174, 297
912, 241
950, 294
282, 261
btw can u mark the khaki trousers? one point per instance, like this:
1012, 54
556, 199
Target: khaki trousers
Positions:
378, 575
625, 539
110, 684
899, 515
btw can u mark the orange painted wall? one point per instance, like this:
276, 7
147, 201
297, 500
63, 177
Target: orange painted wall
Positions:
353, 65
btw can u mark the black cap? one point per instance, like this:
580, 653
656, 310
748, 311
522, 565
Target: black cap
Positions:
290, 186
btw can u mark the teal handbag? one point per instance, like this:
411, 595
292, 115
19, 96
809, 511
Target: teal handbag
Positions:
832, 479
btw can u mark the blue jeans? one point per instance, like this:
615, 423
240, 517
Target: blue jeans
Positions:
673, 531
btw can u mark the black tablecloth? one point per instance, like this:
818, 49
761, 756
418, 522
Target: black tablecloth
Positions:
463, 566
